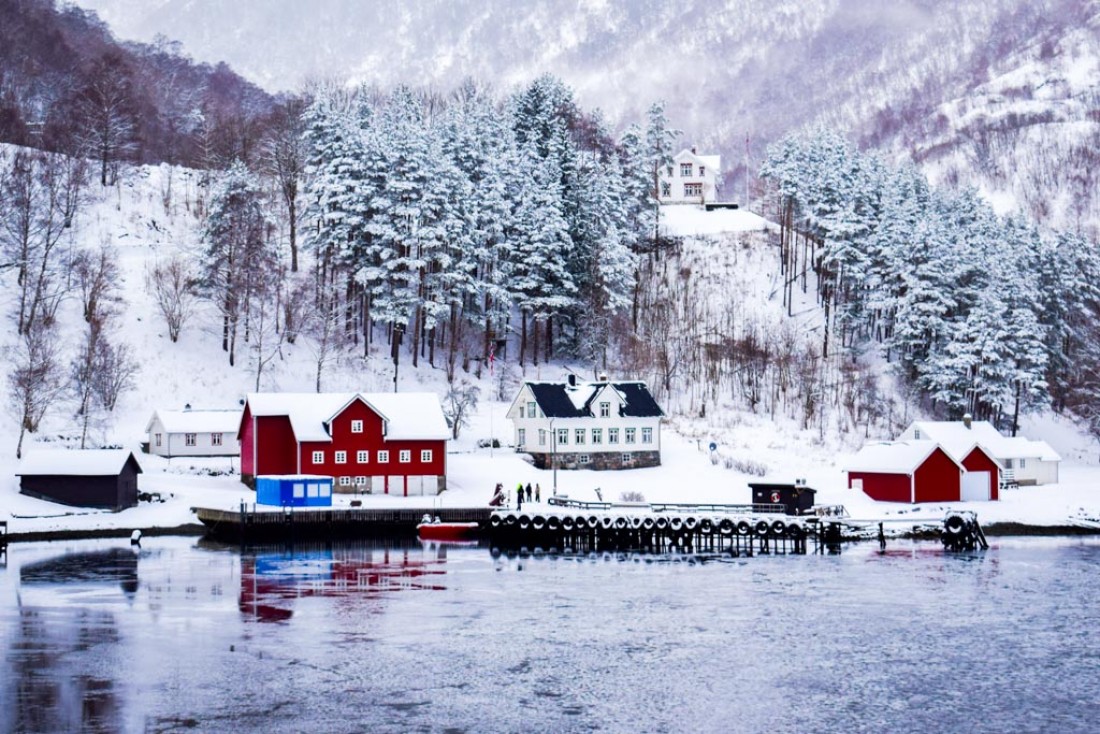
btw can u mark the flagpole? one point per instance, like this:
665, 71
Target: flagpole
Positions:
492, 398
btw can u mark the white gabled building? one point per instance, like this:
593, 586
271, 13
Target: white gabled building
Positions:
190, 432
587, 425
691, 179
1024, 461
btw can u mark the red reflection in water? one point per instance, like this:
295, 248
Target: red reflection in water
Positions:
268, 582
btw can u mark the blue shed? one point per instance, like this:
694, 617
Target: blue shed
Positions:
294, 490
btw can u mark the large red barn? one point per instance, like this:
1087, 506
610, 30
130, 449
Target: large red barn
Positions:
908, 471
377, 442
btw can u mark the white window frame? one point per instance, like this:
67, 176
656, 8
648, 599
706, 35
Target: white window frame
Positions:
532, 411
628, 458
341, 457
158, 439
521, 436
404, 456
542, 437
345, 481
631, 434
360, 481
318, 457
578, 437
383, 457
190, 439
584, 459
597, 436
215, 439
666, 189
362, 457
357, 426
685, 170
1023, 464
425, 456
647, 435
605, 410
563, 436
612, 435
702, 171
693, 189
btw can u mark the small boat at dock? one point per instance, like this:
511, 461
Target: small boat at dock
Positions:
435, 529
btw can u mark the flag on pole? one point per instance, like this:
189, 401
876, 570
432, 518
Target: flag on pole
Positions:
492, 357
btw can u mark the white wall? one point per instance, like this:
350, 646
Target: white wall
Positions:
175, 444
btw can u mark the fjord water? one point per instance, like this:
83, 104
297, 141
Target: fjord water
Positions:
186, 635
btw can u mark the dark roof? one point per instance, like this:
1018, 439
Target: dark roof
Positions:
554, 400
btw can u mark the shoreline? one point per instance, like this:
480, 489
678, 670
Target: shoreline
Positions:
998, 529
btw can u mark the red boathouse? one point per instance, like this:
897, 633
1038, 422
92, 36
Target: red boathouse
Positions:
367, 442
908, 471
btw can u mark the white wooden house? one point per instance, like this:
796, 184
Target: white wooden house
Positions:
587, 425
1023, 461
691, 179
190, 432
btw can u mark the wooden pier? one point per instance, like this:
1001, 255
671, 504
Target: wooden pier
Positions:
292, 524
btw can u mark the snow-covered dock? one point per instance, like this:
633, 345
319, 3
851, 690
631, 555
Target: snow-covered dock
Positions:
291, 524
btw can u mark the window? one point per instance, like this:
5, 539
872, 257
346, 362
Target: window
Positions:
299, 490
318, 457
189, 439
425, 456
578, 436
345, 481
326, 490
215, 439
158, 439
542, 437
685, 170
584, 458
531, 412
630, 434
357, 426
563, 436
362, 457
916, 434
669, 169
628, 458
312, 490
1023, 463
521, 411
383, 457
612, 435
597, 435
521, 437
404, 456
857, 484
341, 457
360, 481
605, 410
647, 435
693, 189
666, 189
702, 171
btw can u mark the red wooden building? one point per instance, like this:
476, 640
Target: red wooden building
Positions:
378, 442
982, 480
907, 471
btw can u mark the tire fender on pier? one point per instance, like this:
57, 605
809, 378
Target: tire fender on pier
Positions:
762, 527
726, 527
779, 528
743, 527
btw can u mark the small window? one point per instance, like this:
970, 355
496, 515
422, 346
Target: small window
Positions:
666, 189
578, 436
189, 439
630, 433
341, 457
702, 171
318, 457
357, 426
362, 457
312, 490
531, 412
542, 437
597, 435
916, 434
685, 169
612, 435
522, 412
857, 484
628, 458
693, 189
605, 410
1023, 463
669, 170
215, 439
404, 456
345, 481
426, 456
158, 439
647, 435
563, 436
584, 458
383, 457
326, 489
521, 437
299, 490
360, 481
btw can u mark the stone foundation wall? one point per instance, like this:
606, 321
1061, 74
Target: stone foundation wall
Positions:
603, 460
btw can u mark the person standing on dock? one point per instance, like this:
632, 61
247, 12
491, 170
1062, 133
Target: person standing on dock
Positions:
881, 538
519, 496
537, 493
528, 491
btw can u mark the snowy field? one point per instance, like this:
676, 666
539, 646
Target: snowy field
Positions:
150, 216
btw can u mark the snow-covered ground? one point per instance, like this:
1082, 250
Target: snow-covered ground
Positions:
691, 220
134, 218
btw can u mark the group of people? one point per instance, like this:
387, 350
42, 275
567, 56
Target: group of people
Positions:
504, 498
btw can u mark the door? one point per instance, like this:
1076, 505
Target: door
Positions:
975, 486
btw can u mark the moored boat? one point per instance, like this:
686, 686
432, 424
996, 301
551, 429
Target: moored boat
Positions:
437, 530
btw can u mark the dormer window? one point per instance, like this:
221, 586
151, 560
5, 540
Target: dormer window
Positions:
916, 434
685, 170
605, 410
702, 170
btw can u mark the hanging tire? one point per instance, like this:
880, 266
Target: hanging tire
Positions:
796, 531
579, 522
706, 526
636, 522
762, 527
954, 525
553, 523
621, 523
606, 522
779, 528
495, 521
567, 524
661, 523
676, 524
743, 527
649, 523
509, 520
593, 522
691, 523
538, 522
524, 522
726, 527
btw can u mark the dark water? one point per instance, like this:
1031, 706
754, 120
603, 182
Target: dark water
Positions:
187, 637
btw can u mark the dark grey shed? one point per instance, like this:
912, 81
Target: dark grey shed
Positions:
93, 478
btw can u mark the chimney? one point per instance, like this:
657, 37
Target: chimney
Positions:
571, 380
967, 418
694, 150
603, 377
187, 406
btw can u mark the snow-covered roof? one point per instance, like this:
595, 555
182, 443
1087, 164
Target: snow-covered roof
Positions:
899, 457
409, 416
75, 462
562, 400
196, 421
955, 437
714, 162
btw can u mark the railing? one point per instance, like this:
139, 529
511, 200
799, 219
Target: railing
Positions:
577, 504
767, 508
827, 511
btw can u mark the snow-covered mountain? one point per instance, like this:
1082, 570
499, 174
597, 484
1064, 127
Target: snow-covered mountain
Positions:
998, 93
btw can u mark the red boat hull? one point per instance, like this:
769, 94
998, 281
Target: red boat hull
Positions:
447, 530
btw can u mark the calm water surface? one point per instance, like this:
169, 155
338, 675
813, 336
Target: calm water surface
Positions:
188, 636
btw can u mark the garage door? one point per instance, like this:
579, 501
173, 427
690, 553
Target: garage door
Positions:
975, 486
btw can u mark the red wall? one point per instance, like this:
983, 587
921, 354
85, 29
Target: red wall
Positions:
978, 460
371, 440
244, 435
276, 446
938, 479
883, 487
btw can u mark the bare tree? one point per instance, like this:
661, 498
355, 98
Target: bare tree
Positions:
325, 329
284, 161
116, 371
35, 381
461, 400
106, 115
97, 276
172, 285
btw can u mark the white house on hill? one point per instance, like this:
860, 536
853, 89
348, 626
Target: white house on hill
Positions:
1024, 461
691, 179
587, 425
190, 432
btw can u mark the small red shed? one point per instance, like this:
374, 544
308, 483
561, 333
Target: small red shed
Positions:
906, 471
982, 480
